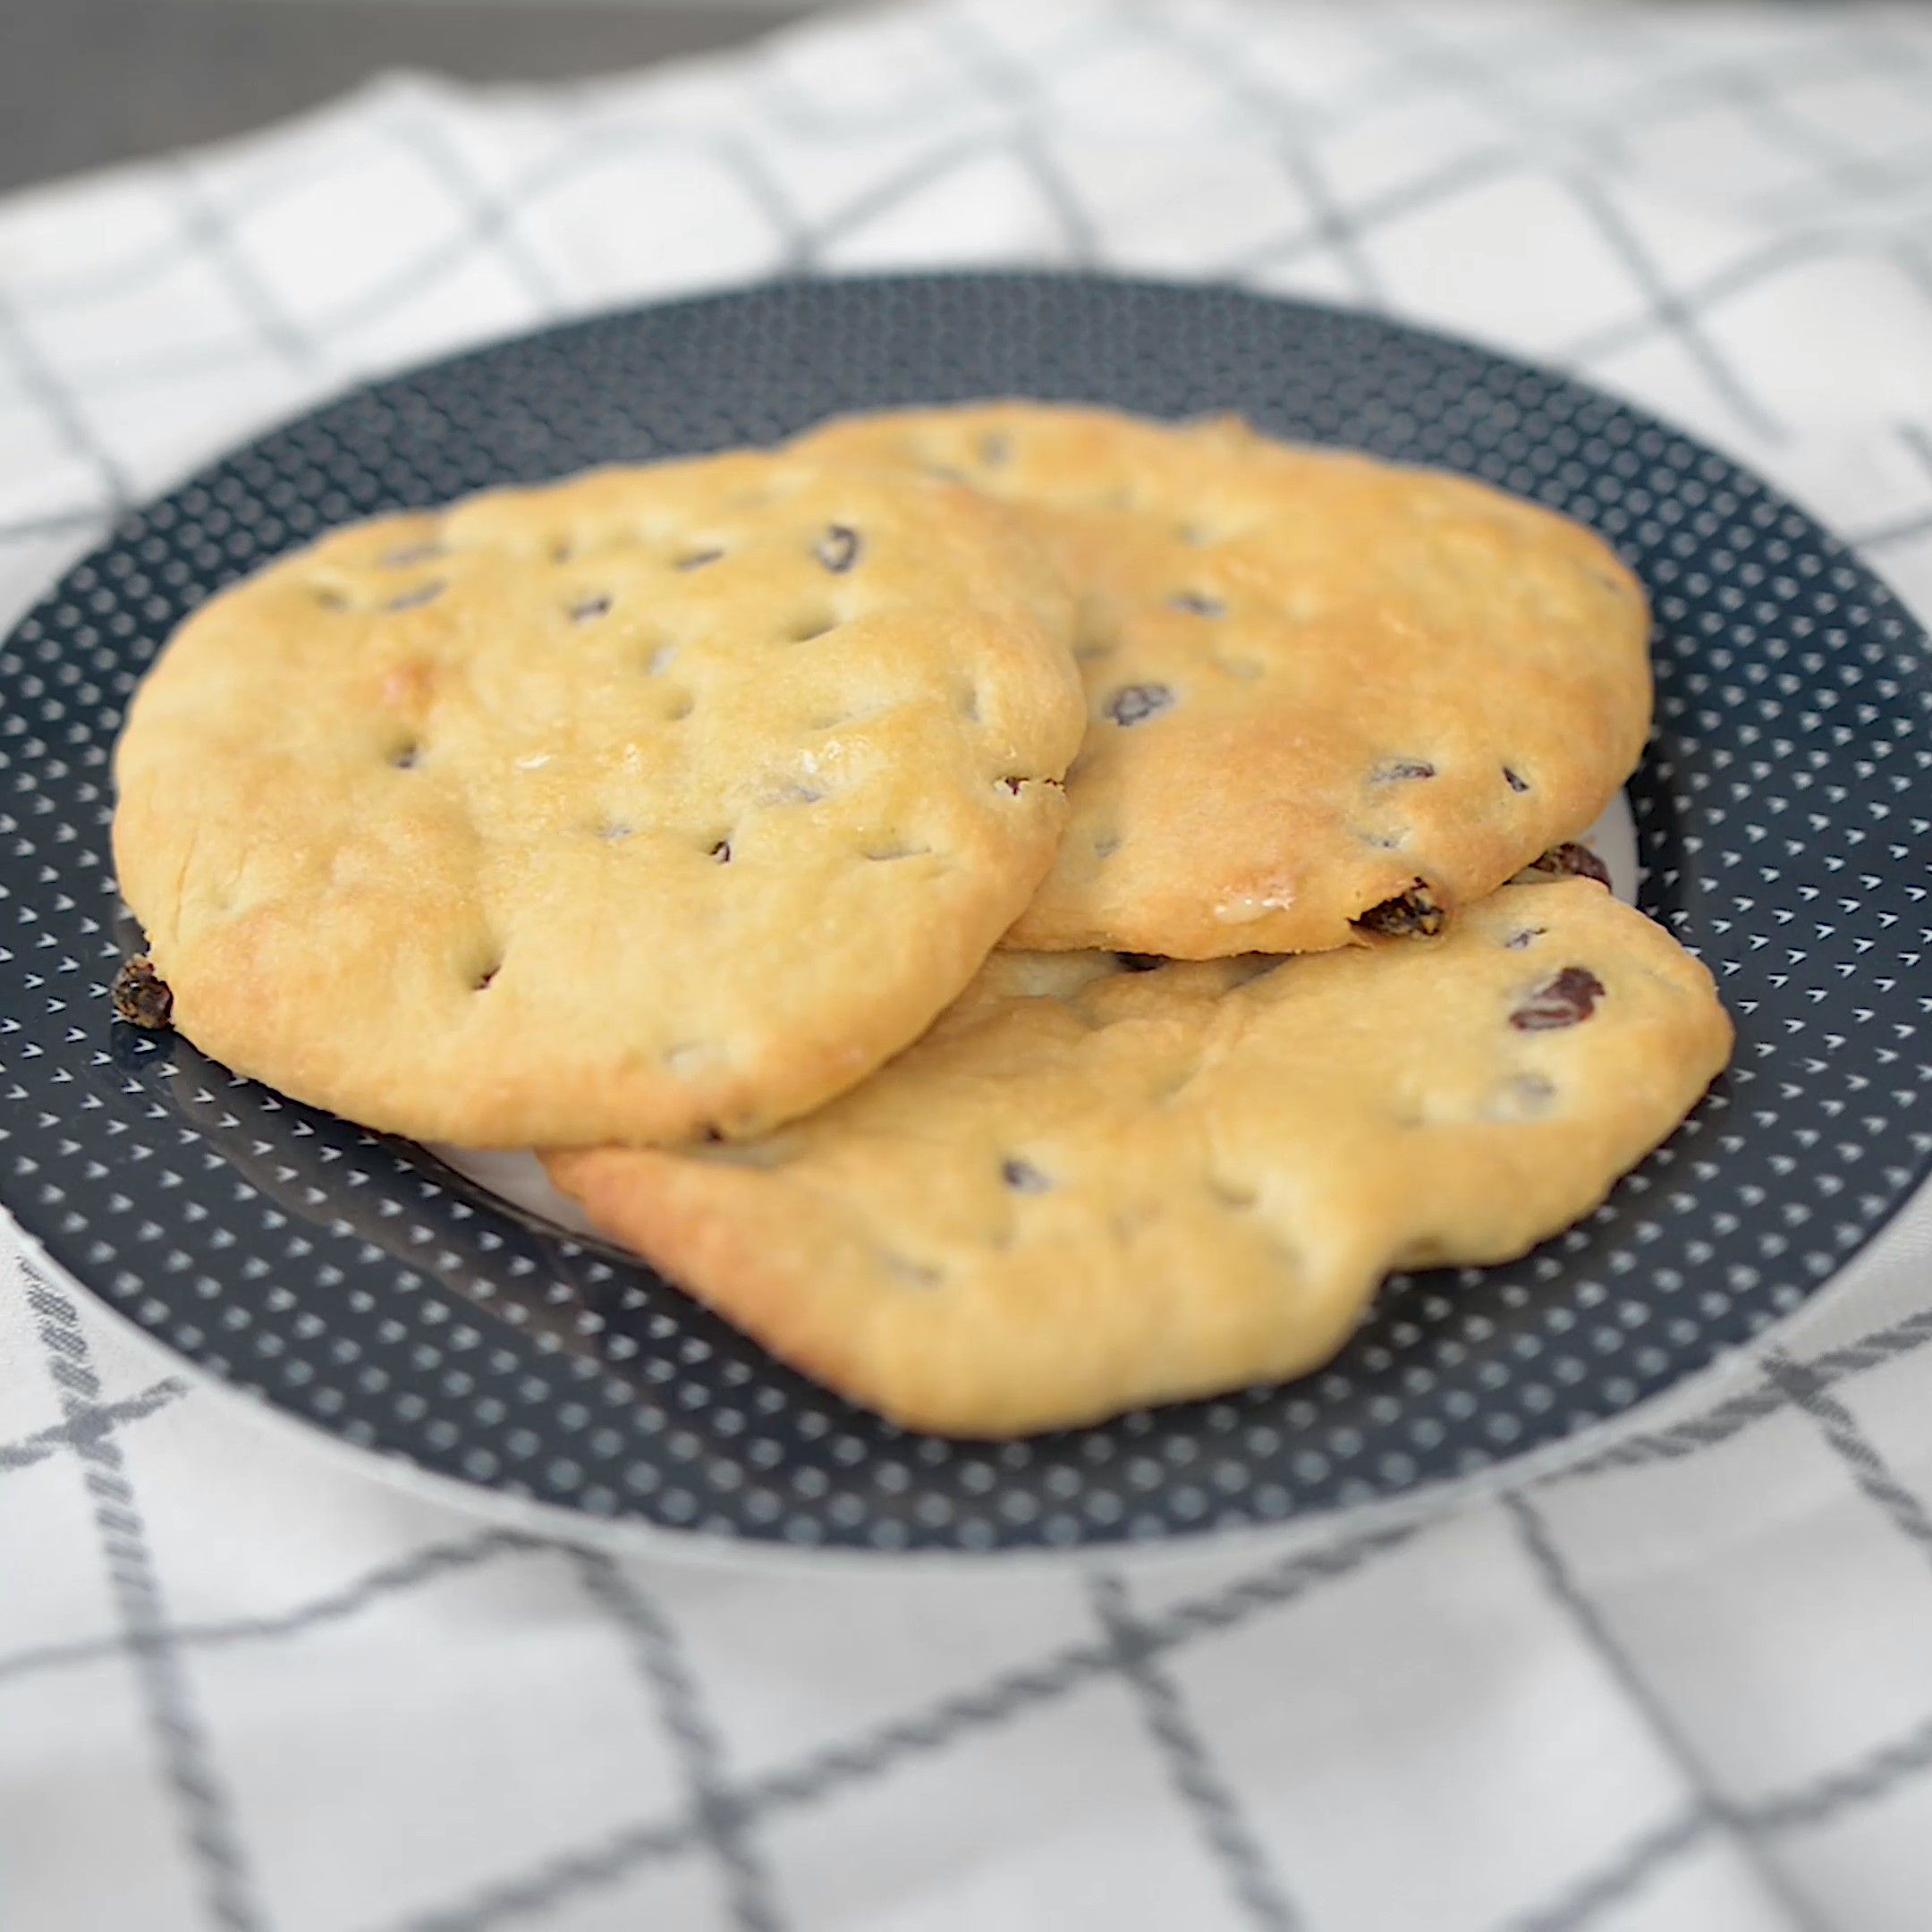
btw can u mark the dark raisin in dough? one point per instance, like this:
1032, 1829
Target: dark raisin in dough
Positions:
1024, 1178
1134, 704
141, 997
838, 548
1406, 915
1572, 861
1565, 1000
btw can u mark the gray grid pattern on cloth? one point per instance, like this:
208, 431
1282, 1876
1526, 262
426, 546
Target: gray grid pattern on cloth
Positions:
1258, 1590
855, 145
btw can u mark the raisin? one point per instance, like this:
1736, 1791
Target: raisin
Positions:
1391, 771
1572, 861
1515, 781
1197, 604
142, 996
1024, 1178
838, 548
1407, 914
1133, 704
1565, 1000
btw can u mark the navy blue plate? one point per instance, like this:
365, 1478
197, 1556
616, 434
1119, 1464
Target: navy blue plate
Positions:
359, 1284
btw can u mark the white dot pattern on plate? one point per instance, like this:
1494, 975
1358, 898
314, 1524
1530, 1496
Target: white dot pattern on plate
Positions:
1782, 817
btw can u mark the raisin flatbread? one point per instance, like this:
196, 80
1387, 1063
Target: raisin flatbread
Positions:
1097, 1185
658, 803
1329, 697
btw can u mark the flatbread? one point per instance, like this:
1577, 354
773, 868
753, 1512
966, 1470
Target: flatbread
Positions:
1094, 1186
1328, 697
658, 803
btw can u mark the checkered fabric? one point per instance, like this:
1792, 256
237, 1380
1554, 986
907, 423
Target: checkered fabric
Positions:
246, 1683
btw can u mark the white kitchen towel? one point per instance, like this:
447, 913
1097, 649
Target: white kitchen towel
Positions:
247, 1683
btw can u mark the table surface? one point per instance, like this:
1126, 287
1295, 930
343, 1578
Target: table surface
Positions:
94, 81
